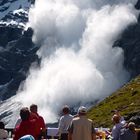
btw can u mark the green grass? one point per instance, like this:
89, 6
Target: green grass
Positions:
126, 99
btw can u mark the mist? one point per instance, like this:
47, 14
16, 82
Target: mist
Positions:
78, 64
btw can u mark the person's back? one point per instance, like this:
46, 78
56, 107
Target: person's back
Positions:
26, 126
40, 121
81, 127
116, 128
128, 133
64, 123
116, 131
3, 132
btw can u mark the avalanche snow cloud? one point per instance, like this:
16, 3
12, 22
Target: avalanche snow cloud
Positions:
78, 63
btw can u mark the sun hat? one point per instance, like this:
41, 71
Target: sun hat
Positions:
82, 109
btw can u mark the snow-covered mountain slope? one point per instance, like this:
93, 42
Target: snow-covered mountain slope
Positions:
9, 111
14, 12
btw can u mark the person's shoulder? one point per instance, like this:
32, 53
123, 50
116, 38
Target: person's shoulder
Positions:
18, 128
114, 127
90, 120
70, 116
3, 134
33, 116
3, 131
21, 124
120, 125
76, 119
40, 117
61, 118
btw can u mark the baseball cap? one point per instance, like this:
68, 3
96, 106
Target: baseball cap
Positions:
82, 109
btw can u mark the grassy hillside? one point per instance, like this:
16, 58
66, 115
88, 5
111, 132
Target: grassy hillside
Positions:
126, 99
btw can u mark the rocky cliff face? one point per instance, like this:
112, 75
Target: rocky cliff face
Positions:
17, 50
130, 42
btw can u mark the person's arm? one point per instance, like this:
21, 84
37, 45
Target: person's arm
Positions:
93, 132
69, 136
16, 135
70, 130
60, 126
43, 127
6, 133
93, 136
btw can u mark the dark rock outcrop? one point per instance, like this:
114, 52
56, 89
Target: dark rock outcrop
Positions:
17, 51
130, 43
137, 6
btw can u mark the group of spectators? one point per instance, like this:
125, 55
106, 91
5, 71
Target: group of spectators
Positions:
31, 126
30, 123
121, 129
79, 127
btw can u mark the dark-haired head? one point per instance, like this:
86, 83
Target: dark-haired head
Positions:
66, 109
33, 108
24, 113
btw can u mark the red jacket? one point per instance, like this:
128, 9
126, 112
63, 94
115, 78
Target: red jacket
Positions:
41, 122
41, 127
25, 128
